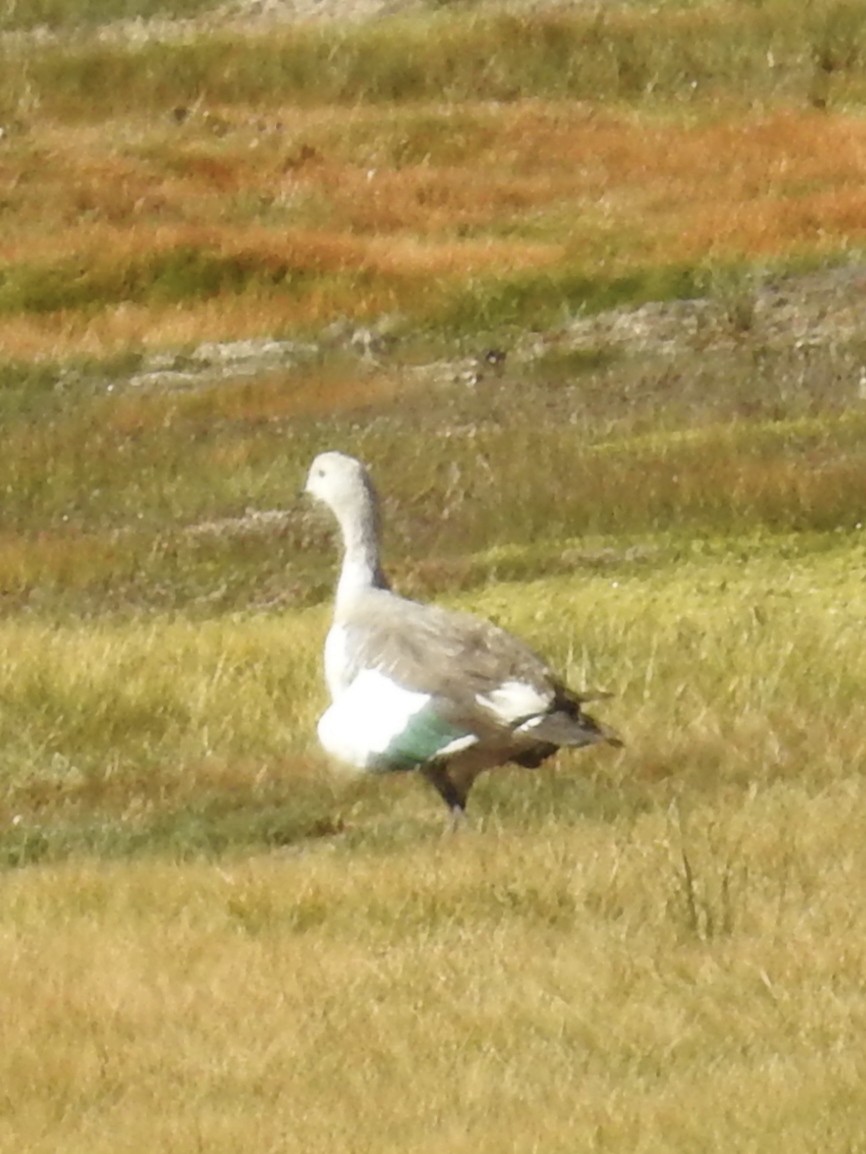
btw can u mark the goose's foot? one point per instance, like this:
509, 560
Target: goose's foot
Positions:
456, 820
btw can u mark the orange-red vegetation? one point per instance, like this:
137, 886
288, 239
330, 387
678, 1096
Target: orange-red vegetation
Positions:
374, 222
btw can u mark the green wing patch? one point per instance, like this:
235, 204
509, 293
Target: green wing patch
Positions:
425, 735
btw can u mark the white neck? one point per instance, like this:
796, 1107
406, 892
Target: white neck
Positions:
361, 569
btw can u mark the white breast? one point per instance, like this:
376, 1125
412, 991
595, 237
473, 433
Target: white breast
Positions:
364, 720
335, 661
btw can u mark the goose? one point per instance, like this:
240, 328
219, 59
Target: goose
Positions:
414, 686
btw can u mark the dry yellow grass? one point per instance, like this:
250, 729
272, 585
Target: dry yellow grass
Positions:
493, 992
660, 949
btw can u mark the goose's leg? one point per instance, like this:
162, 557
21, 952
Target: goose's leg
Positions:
454, 779
449, 791
458, 818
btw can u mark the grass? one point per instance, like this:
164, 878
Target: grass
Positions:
496, 218
210, 938
490, 993
67, 15
166, 499
96, 721
629, 918
622, 54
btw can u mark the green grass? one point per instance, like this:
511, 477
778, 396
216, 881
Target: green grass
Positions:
447, 309
734, 666
543, 299
628, 54
210, 827
187, 274
182, 274
150, 497
68, 15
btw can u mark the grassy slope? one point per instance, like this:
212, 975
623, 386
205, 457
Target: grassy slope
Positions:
469, 170
657, 947
214, 942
